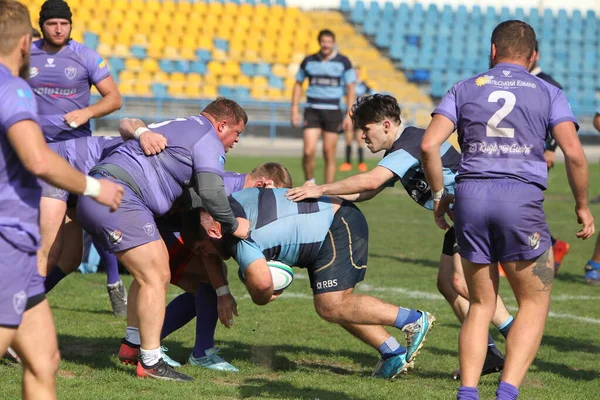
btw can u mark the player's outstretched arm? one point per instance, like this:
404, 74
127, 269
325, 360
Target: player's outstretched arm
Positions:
439, 130
356, 184
27, 140
151, 142
577, 173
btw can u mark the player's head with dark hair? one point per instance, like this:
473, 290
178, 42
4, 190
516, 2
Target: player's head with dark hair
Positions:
271, 173
326, 42
228, 119
55, 22
378, 116
15, 31
513, 40
35, 34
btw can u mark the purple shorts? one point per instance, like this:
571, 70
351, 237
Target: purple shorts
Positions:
21, 286
130, 226
500, 220
58, 194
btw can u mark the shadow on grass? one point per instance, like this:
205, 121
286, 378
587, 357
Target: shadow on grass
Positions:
569, 344
568, 277
566, 371
423, 262
82, 310
273, 389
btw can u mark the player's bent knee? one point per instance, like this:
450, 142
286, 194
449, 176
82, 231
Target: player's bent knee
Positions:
45, 366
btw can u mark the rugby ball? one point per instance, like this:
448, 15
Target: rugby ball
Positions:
282, 275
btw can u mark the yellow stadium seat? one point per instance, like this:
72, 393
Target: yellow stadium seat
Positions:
282, 57
139, 39
231, 68
260, 82
139, 5
258, 93
154, 52
209, 91
219, 55
226, 80
275, 94
244, 81
171, 53
133, 64
156, 42
105, 50
192, 91
183, 7
142, 89
160, 77
250, 55
211, 79
194, 78
205, 43
77, 36
261, 9
176, 89
115, 16
153, 5
120, 50
145, 77
95, 26
224, 31
187, 54
200, 7
215, 67
127, 76
177, 77
214, 9
245, 9
126, 88
150, 65
279, 70
230, 9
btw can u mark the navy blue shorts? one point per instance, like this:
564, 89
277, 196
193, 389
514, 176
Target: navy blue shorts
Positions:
342, 260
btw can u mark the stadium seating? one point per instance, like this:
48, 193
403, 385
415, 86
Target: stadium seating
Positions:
437, 46
200, 49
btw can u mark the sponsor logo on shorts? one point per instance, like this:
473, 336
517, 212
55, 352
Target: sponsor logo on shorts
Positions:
534, 240
20, 302
150, 228
115, 236
59, 193
331, 283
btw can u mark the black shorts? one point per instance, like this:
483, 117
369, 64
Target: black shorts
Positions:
450, 247
342, 260
327, 120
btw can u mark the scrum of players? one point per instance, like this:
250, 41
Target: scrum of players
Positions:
159, 199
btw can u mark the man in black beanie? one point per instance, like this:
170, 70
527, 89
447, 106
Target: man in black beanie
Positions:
61, 73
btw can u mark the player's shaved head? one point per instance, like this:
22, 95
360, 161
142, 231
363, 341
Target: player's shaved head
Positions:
226, 109
374, 109
514, 40
14, 24
278, 173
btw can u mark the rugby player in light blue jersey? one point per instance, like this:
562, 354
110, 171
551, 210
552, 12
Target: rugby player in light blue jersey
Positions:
329, 237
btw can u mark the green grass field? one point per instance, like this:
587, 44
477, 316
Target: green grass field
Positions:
284, 351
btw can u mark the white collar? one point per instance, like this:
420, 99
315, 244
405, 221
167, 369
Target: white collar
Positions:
536, 71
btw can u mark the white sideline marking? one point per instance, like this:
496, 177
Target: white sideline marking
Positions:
552, 314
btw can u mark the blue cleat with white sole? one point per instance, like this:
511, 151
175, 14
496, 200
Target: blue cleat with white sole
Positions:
392, 367
172, 363
212, 360
416, 332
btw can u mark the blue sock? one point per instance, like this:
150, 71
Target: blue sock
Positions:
390, 348
504, 327
111, 266
506, 391
406, 316
467, 393
180, 311
55, 276
206, 319
594, 264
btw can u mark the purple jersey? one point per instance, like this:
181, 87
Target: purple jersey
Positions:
234, 182
194, 147
61, 83
503, 117
19, 190
84, 153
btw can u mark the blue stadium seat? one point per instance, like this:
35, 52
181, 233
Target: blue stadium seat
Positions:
159, 90
90, 40
116, 64
358, 12
198, 67
183, 66
388, 9
383, 37
263, 69
281, 3
241, 93
138, 52
222, 44
276, 82
167, 66
520, 14
345, 6
226, 91
248, 69
505, 14
203, 55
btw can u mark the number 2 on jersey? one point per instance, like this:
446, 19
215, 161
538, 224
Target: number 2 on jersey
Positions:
492, 129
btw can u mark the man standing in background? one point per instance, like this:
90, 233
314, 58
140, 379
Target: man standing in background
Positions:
61, 74
328, 72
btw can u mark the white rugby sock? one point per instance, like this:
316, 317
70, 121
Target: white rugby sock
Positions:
150, 357
132, 335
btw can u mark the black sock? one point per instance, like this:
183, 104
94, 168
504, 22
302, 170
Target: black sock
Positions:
348, 153
361, 155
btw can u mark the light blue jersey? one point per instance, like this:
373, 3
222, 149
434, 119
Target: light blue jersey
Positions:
281, 230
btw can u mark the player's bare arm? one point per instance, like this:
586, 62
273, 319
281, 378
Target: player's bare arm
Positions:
111, 101
27, 140
350, 98
361, 183
577, 173
438, 131
296, 119
151, 142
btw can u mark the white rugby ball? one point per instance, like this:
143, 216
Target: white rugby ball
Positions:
282, 275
